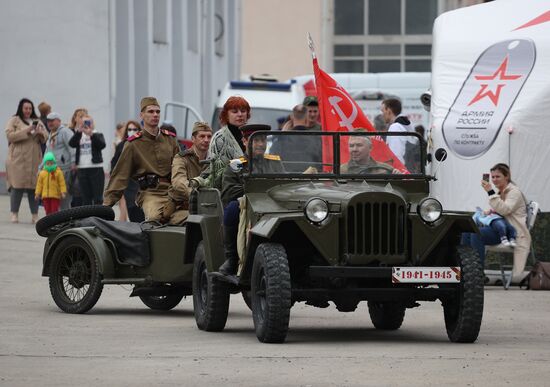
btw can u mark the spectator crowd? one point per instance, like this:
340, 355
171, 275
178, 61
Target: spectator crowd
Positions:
44, 153
56, 165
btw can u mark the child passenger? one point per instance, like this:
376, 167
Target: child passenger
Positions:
505, 230
50, 185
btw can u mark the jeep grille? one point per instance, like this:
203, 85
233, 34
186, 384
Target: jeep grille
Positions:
376, 229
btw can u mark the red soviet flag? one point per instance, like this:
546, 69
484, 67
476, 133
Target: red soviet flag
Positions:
340, 113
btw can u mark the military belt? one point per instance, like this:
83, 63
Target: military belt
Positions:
152, 181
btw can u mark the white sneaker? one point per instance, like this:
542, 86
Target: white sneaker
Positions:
513, 242
505, 242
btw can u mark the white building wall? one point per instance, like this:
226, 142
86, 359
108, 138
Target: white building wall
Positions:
56, 52
274, 36
107, 54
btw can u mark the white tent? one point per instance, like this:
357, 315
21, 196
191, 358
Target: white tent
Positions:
491, 99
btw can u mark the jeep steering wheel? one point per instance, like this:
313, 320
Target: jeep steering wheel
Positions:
373, 168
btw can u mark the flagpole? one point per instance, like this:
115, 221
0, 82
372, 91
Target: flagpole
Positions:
311, 46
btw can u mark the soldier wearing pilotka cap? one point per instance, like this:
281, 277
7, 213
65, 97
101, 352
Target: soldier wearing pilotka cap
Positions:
185, 166
147, 158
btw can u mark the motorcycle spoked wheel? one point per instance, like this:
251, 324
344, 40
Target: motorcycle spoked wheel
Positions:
75, 280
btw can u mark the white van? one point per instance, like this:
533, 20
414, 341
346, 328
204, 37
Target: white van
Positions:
269, 100
370, 89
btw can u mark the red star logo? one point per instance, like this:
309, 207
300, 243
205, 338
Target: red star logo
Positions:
502, 76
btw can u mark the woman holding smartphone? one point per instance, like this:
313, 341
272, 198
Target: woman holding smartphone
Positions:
89, 161
507, 200
25, 134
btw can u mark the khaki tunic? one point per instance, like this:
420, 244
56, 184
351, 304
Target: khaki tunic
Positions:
185, 166
24, 154
371, 167
144, 154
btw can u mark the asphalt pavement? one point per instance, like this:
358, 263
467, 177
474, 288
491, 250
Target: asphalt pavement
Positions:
120, 342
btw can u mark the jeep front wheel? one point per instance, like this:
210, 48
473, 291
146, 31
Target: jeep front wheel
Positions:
463, 313
210, 296
271, 293
386, 315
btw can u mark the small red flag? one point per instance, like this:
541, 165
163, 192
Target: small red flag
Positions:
340, 113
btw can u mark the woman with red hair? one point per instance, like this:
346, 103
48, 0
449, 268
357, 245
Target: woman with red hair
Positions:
227, 143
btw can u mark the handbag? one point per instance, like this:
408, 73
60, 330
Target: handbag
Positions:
539, 277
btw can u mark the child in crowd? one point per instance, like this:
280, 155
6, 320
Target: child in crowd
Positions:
505, 230
50, 185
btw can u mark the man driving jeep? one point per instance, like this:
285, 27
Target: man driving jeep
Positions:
360, 161
233, 188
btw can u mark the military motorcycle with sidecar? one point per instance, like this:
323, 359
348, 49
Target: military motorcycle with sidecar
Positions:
86, 249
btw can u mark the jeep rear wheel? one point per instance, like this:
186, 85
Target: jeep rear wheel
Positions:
167, 302
386, 315
210, 296
464, 312
271, 293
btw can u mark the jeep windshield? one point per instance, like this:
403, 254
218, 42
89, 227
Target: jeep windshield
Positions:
333, 154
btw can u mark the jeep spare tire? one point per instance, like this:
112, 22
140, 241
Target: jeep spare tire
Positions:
386, 315
44, 224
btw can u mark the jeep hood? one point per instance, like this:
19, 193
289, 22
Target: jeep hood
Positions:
328, 190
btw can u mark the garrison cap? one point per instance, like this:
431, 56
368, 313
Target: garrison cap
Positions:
147, 101
247, 130
200, 125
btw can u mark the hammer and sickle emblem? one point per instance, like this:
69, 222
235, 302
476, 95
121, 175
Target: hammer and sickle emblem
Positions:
345, 121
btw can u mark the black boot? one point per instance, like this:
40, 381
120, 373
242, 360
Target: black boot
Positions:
231, 264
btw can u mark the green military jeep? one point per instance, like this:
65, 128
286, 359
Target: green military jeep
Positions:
346, 230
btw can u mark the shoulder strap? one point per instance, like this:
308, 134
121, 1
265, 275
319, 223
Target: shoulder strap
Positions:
186, 152
134, 137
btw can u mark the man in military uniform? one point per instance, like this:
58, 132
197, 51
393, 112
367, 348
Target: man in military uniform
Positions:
233, 188
360, 160
146, 157
185, 166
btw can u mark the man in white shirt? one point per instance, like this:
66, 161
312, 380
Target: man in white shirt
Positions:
391, 111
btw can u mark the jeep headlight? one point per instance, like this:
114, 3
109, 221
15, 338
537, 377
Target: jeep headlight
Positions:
316, 210
430, 210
